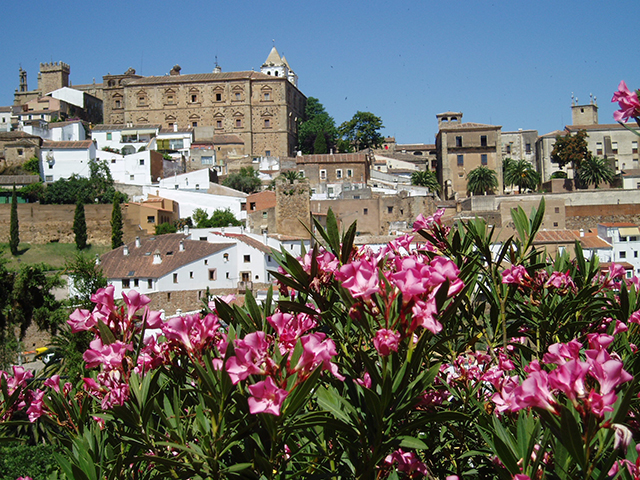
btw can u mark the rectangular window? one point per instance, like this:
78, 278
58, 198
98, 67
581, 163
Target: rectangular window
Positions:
170, 99
267, 96
175, 278
51, 166
267, 123
623, 254
117, 105
483, 140
556, 209
267, 153
206, 160
483, 159
190, 274
238, 123
339, 173
109, 136
247, 258
132, 177
252, 206
349, 173
461, 160
151, 219
126, 283
458, 141
527, 148
614, 147
509, 148
213, 274
113, 160
301, 173
136, 283
365, 211
49, 178
634, 147
238, 96
598, 148
633, 239
141, 100
218, 97
149, 283
194, 98
227, 275
142, 161
323, 174
330, 191
389, 209
226, 257
194, 124
264, 214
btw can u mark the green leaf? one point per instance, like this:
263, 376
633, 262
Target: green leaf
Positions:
332, 233
412, 442
105, 333
571, 437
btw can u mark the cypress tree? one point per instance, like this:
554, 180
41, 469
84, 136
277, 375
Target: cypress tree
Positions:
14, 234
80, 226
116, 224
320, 145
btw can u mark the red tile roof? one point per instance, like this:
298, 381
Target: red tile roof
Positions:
81, 145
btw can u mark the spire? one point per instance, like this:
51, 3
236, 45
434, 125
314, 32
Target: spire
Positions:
273, 58
284, 61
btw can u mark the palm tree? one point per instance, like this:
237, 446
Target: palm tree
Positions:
482, 180
595, 170
520, 173
292, 175
425, 178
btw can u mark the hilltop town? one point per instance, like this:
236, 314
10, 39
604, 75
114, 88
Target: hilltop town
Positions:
181, 148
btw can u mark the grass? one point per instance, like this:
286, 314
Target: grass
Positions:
53, 254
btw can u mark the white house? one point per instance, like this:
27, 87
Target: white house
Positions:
625, 241
194, 180
176, 142
63, 159
189, 200
71, 131
125, 139
168, 263
5, 119
133, 169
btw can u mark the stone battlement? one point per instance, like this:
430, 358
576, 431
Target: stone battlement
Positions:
54, 66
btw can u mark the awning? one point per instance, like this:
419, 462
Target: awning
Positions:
143, 131
628, 231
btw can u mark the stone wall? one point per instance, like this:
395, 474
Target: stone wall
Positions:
54, 223
293, 210
588, 216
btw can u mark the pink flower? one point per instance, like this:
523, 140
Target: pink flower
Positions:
386, 341
134, 302
423, 223
154, 318
251, 358
35, 409
360, 278
560, 353
318, 350
521, 476
569, 378
534, 392
407, 462
290, 328
561, 281
517, 275
53, 382
110, 356
81, 320
365, 381
266, 397
628, 103
424, 316
610, 374
443, 269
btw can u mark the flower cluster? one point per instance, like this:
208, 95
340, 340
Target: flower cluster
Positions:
558, 282
15, 385
628, 103
260, 354
589, 379
407, 462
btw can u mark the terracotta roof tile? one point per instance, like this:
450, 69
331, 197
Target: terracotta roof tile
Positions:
139, 262
335, 158
202, 77
81, 145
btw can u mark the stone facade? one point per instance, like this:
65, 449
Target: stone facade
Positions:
462, 147
52, 76
293, 208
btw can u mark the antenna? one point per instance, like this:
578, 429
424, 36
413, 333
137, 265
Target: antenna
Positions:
216, 63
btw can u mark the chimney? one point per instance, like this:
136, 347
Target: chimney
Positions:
265, 237
582, 232
137, 242
157, 260
181, 248
125, 250
175, 127
222, 230
97, 259
185, 229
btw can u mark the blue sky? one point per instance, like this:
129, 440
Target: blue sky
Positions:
513, 63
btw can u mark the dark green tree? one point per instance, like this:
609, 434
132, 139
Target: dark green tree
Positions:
292, 176
363, 130
595, 170
482, 180
80, 226
320, 145
425, 178
246, 180
219, 218
85, 277
318, 123
14, 228
32, 165
164, 228
116, 225
570, 149
520, 173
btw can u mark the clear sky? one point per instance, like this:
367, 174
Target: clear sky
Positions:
510, 63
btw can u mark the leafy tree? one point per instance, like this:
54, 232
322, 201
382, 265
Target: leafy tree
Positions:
219, 218
86, 277
14, 232
318, 123
80, 226
425, 178
595, 170
32, 165
570, 149
344, 146
482, 180
520, 173
164, 228
320, 145
559, 174
116, 225
246, 180
363, 130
